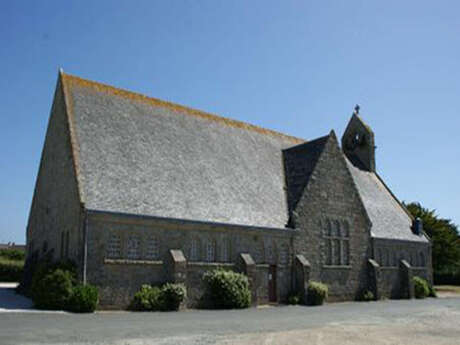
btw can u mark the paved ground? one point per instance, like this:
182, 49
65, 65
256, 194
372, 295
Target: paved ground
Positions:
430, 321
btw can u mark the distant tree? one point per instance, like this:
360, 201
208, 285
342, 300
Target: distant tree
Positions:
444, 236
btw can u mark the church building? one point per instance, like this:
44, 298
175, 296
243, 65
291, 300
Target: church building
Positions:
136, 190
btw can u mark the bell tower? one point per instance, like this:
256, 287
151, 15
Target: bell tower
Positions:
358, 143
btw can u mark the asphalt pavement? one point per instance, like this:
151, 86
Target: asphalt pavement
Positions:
26, 326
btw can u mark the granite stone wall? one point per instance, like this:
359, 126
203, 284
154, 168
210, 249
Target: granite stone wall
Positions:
118, 278
56, 215
331, 198
388, 253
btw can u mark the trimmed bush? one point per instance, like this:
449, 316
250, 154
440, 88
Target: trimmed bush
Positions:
152, 298
421, 287
54, 290
11, 270
226, 289
316, 293
293, 299
43, 268
146, 299
171, 296
366, 296
84, 299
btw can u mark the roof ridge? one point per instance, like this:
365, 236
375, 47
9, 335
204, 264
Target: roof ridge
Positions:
309, 142
101, 87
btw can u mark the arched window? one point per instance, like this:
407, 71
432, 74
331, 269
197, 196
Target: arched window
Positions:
210, 251
336, 243
152, 248
337, 229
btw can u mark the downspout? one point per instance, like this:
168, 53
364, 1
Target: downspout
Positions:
85, 247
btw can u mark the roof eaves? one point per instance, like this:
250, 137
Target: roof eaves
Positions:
190, 221
68, 104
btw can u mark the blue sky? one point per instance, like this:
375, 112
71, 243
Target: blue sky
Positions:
298, 67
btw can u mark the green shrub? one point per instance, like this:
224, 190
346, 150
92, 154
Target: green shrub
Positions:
366, 296
152, 298
84, 299
432, 292
146, 299
12, 254
421, 287
293, 299
226, 289
316, 293
44, 267
11, 270
171, 296
53, 291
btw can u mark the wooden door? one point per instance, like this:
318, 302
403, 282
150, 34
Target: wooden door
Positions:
272, 283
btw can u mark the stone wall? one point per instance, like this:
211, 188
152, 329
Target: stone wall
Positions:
56, 217
118, 278
388, 253
331, 198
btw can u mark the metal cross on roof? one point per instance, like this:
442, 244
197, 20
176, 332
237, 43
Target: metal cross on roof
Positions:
357, 109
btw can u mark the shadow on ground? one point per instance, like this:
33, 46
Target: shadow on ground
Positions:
11, 301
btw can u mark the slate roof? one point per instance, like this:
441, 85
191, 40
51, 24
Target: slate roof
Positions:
299, 163
144, 156
389, 219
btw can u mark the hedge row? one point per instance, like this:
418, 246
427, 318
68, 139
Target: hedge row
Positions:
12, 254
11, 270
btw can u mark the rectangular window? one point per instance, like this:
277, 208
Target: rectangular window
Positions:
225, 257
210, 251
194, 249
152, 249
114, 247
336, 252
133, 247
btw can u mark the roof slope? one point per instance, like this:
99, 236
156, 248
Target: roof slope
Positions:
144, 156
299, 163
389, 219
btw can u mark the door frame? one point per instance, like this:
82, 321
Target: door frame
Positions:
272, 284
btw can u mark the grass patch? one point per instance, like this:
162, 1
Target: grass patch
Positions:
447, 288
11, 270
